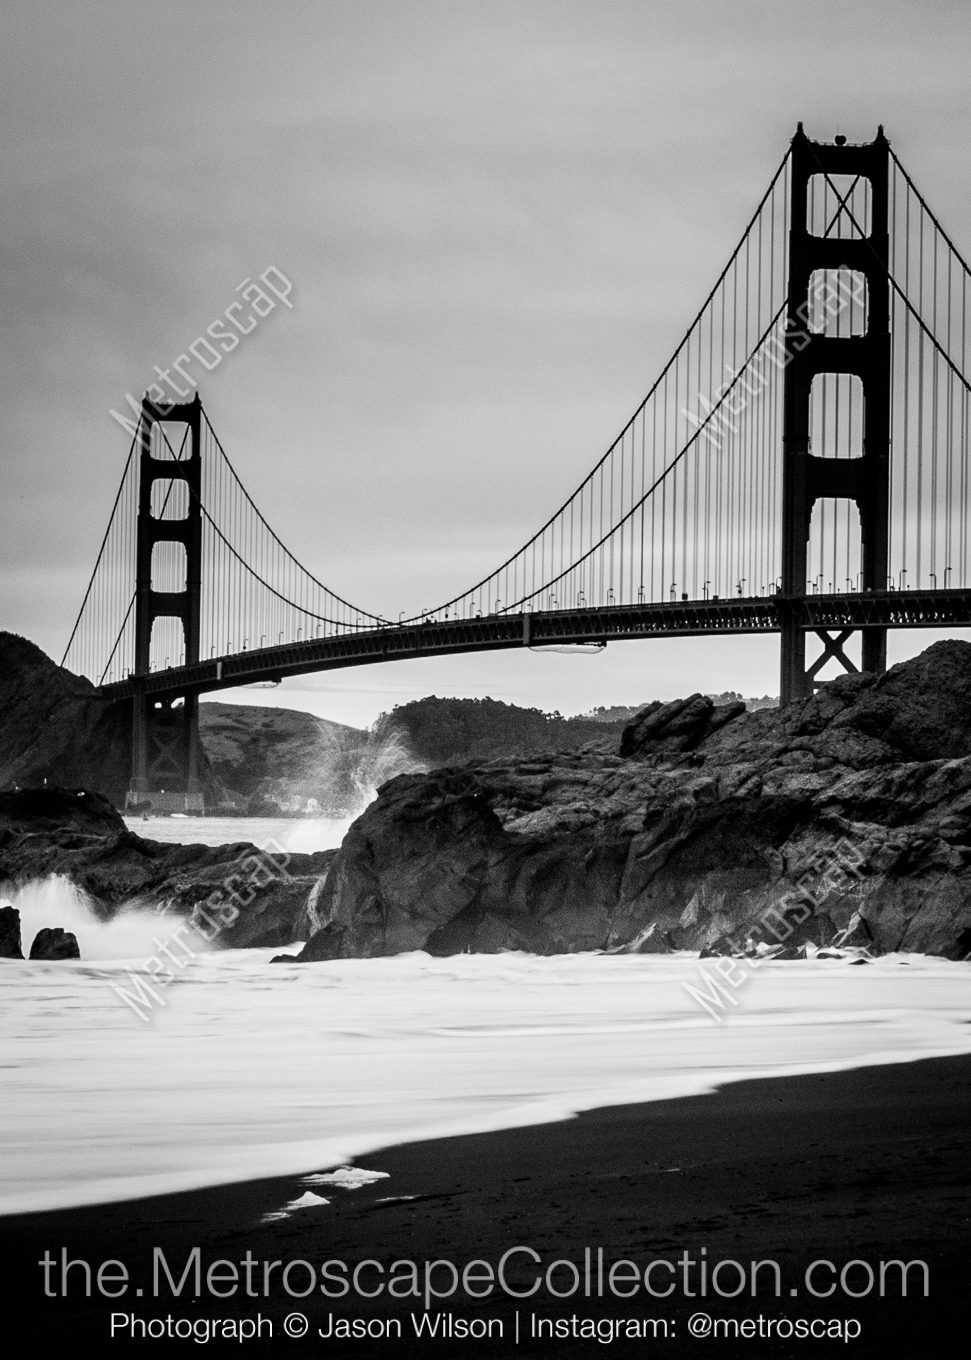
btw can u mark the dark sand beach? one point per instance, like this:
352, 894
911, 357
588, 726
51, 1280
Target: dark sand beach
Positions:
863, 1165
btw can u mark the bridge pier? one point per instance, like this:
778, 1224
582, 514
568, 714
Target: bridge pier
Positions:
166, 751
811, 474
166, 755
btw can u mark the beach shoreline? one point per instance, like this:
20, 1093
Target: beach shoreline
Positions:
866, 1164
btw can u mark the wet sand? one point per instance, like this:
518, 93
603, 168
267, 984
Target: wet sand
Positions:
871, 1164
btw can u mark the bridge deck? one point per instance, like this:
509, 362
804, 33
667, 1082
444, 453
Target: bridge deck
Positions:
682, 618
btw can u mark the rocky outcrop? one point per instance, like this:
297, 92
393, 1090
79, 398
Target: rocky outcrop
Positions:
10, 946
677, 726
55, 943
843, 818
238, 894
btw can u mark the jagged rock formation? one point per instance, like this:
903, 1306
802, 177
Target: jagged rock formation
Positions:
10, 946
677, 726
253, 899
55, 943
847, 816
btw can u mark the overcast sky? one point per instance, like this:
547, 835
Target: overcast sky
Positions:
498, 219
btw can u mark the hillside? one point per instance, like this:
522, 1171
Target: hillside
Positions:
56, 728
279, 758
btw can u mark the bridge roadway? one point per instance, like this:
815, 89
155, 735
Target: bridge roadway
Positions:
492, 632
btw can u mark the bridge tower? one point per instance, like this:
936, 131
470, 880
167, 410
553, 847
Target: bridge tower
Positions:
165, 735
808, 474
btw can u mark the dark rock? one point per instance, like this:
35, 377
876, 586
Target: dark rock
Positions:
676, 726
10, 945
236, 894
326, 943
842, 819
68, 813
55, 944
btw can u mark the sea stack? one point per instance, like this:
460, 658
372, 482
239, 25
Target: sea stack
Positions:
10, 947
55, 943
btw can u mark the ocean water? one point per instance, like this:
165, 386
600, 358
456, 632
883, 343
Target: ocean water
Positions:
300, 835
243, 1068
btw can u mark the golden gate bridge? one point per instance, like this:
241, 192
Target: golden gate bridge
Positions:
799, 466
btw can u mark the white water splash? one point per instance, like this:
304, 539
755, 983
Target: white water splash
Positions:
380, 760
132, 934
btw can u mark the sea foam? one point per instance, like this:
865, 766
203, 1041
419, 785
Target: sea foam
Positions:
250, 1069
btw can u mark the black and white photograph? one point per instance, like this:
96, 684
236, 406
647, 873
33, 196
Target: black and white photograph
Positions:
485, 678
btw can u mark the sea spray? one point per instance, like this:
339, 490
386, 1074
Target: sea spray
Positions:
56, 901
385, 755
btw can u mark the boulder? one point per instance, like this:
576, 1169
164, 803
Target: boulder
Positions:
10, 946
55, 943
677, 726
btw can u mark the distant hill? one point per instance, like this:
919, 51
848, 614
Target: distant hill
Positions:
273, 760
623, 713
276, 759
753, 705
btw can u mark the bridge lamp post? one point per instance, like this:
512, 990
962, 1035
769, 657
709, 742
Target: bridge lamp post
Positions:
740, 584
946, 570
933, 576
900, 579
674, 590
704, 589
